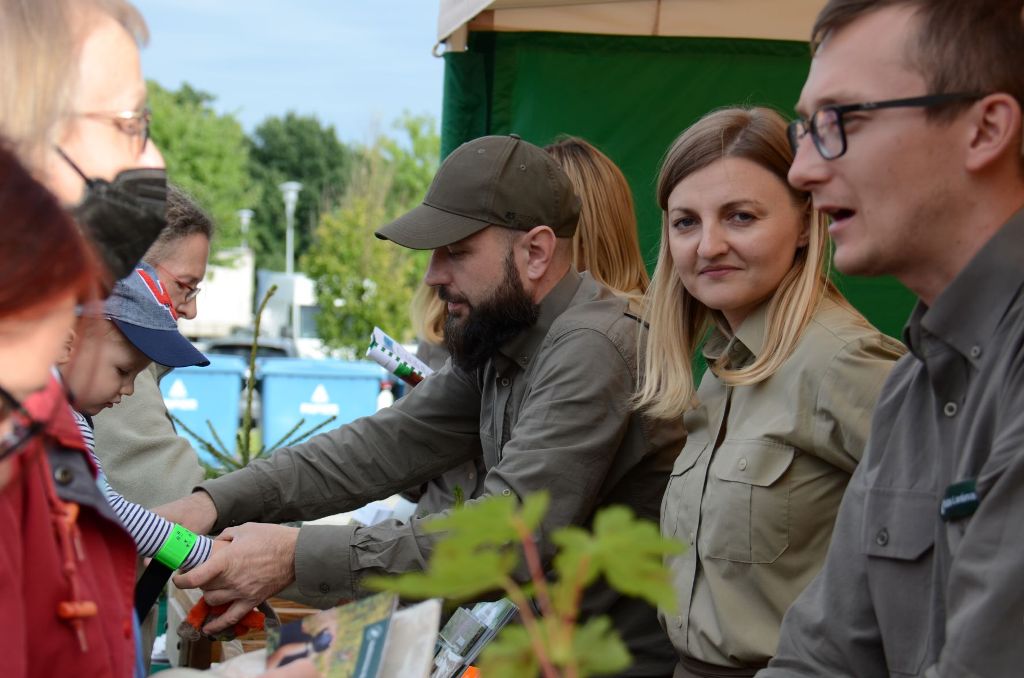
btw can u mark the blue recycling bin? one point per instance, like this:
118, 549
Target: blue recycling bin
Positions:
197, 394
296, 389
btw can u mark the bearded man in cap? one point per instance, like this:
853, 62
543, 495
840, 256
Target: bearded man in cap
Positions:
540, 382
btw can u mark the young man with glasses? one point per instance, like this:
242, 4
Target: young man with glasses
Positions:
910, 139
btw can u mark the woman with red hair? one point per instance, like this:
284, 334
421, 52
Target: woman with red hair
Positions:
67, 567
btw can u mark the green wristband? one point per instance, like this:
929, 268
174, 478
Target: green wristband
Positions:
177, 547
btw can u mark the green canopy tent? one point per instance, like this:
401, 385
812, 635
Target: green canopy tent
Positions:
629, 76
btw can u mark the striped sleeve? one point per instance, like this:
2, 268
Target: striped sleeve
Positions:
149, 530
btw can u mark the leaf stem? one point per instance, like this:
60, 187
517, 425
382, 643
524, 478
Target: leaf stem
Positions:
532, 627
533, 563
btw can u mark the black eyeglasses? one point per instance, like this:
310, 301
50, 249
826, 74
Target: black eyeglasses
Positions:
826, 125
133, 123
24, 425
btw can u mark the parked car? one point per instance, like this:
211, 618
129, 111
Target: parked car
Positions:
240, 344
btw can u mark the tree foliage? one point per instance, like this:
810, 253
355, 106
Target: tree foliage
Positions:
362, 281
206, 153
294, 148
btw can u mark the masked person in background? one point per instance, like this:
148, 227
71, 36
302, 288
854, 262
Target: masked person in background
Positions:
78, 119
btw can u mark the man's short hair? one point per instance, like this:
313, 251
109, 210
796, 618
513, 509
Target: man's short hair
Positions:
960, 46
184, 218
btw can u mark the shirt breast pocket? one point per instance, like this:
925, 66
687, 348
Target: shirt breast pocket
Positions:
745, 514
899, 533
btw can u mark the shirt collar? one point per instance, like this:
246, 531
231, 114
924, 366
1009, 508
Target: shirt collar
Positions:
966, 314
521, 348
743, 347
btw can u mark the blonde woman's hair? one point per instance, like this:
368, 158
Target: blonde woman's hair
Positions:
606, 241
428, 314
40, 41
678, 321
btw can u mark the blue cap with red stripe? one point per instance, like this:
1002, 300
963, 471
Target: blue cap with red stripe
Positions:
142, 309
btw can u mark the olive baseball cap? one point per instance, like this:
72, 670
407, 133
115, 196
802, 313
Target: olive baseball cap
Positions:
495, 180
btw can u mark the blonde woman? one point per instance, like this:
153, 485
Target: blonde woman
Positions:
779, 421
606, 241
606, 244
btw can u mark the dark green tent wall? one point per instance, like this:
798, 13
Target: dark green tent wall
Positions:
630, 96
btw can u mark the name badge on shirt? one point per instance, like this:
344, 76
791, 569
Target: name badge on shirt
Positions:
961, 500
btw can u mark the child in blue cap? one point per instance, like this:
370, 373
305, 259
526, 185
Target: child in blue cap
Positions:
137, 325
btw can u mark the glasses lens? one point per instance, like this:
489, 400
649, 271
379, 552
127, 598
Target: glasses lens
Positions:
23, 427
146, 117
796, 130
827, 128
14, 440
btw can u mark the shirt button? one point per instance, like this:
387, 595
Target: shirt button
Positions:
742, 464
949, 409
507, 492
882, 538
471, 476
63, 475
324, 587
975, 351
679, 621
505, 381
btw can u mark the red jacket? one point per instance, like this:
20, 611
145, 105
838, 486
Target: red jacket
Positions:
66, 580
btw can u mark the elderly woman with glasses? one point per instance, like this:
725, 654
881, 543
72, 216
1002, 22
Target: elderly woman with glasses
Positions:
145, 459
781, 415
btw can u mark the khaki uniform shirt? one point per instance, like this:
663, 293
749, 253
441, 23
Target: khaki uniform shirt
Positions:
755, 490
143, 457
903, 591
550, 412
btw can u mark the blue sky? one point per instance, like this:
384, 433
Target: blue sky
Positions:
356, 64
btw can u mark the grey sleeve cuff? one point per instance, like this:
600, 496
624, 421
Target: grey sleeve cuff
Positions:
323, 561
238, 497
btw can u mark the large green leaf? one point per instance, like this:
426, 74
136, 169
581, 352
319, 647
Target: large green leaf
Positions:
598, 648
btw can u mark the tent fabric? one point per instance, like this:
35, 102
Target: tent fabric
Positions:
776, 20
630, 96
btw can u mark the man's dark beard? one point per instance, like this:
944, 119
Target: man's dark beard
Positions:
476, 338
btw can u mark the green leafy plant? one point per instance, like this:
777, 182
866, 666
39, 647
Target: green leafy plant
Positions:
244, 448
486, 541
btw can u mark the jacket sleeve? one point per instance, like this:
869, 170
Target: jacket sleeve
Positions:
144, 457
430, 430
566, 437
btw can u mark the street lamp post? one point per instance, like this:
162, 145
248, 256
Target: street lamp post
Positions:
290, 191
244, 217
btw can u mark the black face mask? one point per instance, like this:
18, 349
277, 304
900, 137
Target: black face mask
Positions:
123, 217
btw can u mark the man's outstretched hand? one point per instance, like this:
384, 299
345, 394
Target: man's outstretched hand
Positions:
249, 564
